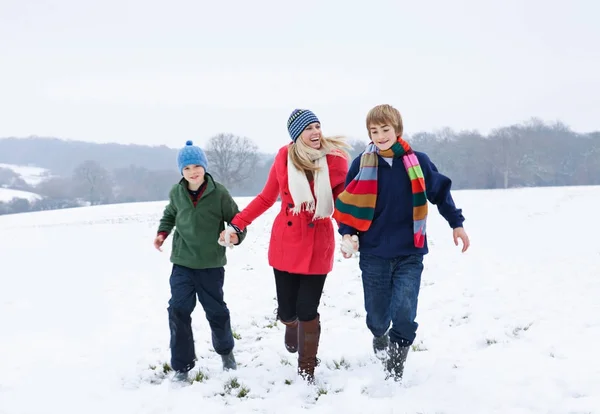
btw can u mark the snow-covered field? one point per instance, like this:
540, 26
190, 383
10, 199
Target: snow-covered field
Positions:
7, 194
31, 175
512, 326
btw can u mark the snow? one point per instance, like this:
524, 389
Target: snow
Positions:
7, 194
31, 175
511, 326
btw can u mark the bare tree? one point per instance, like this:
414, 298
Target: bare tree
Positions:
93, 182
231, 159
357, 147
508, 152
57, 188
11, 179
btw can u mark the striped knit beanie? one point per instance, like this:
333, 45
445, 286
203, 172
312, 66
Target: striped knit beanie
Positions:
298, 121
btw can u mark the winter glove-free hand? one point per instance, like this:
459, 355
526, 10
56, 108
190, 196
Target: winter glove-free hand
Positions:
225, 238
349, 246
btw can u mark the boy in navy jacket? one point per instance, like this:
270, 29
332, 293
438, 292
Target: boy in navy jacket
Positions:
384, 210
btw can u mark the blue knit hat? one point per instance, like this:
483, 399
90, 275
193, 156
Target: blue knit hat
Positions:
191, 155
298, 121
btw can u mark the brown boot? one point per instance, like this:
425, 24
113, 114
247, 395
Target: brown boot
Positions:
291, 335
308, 344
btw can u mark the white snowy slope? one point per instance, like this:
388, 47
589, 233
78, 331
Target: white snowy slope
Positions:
512, 326
8, 194
31, 175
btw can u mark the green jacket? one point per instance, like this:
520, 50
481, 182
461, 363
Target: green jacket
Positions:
197, 229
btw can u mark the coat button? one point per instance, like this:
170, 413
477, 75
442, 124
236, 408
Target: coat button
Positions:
290, 205
289, 223
311, 224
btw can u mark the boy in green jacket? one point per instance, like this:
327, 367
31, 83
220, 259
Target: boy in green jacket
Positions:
198, 207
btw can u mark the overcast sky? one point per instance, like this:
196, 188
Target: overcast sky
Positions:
159, 73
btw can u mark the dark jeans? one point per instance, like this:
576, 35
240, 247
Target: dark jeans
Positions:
391, 289
298, 296
207, 284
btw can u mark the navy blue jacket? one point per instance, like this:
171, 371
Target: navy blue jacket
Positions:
391, 232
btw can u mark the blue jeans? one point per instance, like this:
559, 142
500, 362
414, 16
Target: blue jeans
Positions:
391, 290
207, 284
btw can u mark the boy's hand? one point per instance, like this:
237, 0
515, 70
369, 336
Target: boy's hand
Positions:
233, 239
228, 237
460, 233
349, 245
158, 242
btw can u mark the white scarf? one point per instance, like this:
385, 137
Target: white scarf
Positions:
301, 194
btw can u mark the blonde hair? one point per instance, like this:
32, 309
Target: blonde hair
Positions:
385, 115
303, 157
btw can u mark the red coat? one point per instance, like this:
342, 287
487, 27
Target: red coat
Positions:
298, 244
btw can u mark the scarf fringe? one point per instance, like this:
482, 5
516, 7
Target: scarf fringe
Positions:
309, 206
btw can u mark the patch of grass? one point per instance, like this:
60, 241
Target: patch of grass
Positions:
236, 335
243, 392
420, 347
166, 368
160, 372
320, 391
271, 325
288, 382
199, 377
285, 362
234, 383
517, 331
342, 363
491, 341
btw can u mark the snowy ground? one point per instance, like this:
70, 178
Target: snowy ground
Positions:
512, 326
7, 194
31, 175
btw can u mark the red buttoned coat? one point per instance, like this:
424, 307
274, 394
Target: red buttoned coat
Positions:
298, 244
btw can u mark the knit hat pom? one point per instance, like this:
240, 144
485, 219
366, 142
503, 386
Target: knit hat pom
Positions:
191, 155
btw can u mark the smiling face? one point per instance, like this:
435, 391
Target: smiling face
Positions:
194, 174
311, 135
383, 136
384, 124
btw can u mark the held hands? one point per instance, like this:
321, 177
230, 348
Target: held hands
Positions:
158, 242
349, 246
228, 237
460, 233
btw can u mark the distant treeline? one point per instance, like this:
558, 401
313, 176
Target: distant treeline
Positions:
533, 153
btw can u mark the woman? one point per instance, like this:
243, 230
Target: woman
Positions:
308, 175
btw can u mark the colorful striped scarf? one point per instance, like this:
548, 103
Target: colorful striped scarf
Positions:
355, 206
